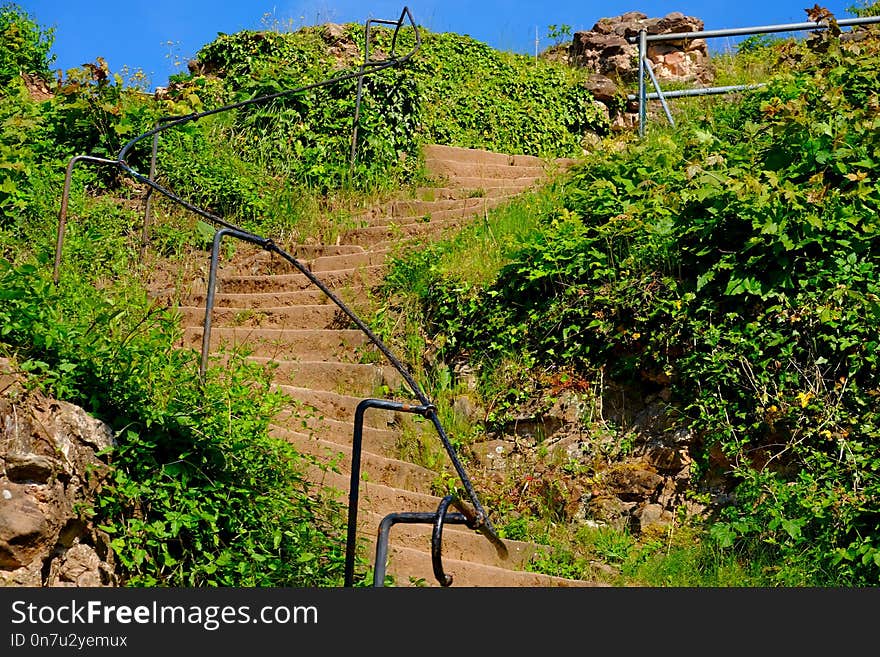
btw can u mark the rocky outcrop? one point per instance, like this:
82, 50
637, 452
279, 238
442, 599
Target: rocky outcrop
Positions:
607, 50
623, 466
49, 473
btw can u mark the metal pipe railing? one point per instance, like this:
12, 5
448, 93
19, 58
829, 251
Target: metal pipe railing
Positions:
659, 92
474, 516
65, 198
643, 39
762, 29
367, 62
438, 519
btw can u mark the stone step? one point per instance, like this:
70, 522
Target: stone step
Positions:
459, 542
476, 208
341, 406
345, 345
379, 440
513, 185
269, 264
432, 194
323, 316
433, 152
413, 567
415, 208
381, 236
252, 260
309, 297
374, 497
373, 257
443, 169
291, 282
375, 468
365, 379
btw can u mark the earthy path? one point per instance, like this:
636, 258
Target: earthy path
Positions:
329, 366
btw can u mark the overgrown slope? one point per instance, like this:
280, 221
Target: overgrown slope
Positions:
733, 264
201, 494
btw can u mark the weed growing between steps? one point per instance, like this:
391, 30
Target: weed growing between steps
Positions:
200, 494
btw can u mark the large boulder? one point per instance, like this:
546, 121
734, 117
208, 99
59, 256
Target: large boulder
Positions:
606, 49
49, 473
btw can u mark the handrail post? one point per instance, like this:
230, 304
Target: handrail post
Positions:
62, 213
359, 96
643, 102
354, 482
212, 283
438, 518
147, 201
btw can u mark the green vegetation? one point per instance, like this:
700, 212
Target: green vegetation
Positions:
201, 494
26, 44
732, 261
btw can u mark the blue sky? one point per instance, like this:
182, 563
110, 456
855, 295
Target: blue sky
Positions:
159, 36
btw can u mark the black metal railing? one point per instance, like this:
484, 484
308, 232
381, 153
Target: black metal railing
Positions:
471, 511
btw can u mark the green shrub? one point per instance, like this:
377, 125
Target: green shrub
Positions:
24, 44
734, 261
200, 494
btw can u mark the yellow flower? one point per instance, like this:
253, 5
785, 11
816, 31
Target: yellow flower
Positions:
804, 398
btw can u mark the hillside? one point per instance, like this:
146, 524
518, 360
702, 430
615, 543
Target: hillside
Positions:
657, 367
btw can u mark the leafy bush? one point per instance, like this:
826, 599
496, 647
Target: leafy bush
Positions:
735, 261
200, 494
24, 44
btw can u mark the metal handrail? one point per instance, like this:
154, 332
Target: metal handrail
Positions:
65, 199
643, 38
437, 519
762, 29
475, 517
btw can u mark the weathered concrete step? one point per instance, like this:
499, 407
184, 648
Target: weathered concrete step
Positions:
432, 194
515, 185
250, 259
379, 440
353, 277
310, 297
411, 567
365, 379
339, 406
475, 208
347, 345
459, 542
269, 264
380, 236
363, 259
445, 169
375, 468
255, 261
417, 208
373, 497
322, 316
433, 152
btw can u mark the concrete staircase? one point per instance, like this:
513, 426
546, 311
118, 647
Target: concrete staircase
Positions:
328, 366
